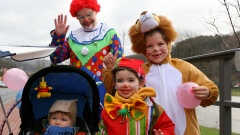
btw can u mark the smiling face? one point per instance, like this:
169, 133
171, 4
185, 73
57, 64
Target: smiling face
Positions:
87, 18
60, 119
127, 83
156, 47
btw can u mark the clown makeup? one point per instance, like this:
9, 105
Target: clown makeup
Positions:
127, 83
126, 86
156, 47
87, 18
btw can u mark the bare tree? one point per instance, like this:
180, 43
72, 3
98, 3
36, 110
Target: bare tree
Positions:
185, 34
188, 48
232, 12
123, 35
40, 64
227, 4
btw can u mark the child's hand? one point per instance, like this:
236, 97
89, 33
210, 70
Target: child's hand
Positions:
109, 60
201, 92
157, 132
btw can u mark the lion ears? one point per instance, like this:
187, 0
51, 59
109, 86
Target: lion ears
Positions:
147, 22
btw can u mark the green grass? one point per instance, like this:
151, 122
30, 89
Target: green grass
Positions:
236, 92
211, 131
215, 131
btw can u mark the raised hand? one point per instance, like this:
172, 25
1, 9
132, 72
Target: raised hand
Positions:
60, 25
109, 60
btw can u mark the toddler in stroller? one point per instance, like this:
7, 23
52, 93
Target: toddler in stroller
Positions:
55, 85
61, 118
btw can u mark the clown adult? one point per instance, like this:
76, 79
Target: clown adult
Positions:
152, 35
87, 45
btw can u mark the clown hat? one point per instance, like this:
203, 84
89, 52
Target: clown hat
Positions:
134, 64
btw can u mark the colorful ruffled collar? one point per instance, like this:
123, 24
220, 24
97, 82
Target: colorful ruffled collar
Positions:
133, 107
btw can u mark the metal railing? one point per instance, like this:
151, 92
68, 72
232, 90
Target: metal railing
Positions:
225, 103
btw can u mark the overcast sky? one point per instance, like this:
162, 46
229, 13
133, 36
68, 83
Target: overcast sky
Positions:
28, 22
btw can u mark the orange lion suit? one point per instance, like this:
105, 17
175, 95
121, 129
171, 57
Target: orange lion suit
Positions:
170, 73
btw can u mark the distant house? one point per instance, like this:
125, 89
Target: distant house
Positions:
236, 86
3, 71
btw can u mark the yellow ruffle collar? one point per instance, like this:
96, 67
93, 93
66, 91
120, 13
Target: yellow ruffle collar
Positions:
133, 107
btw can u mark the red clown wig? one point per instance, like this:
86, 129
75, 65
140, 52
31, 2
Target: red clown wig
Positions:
79, 4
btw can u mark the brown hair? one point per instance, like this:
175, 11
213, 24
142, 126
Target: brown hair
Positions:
116, 69
65, 113
150, 33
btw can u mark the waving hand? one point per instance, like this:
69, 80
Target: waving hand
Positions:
60, 25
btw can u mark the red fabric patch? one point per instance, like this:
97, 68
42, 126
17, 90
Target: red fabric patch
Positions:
138, 103
113, 113
116, 42
114, 127
165, 124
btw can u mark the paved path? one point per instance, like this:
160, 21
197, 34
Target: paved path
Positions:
209, 116
8, 98
7, 94
14, 119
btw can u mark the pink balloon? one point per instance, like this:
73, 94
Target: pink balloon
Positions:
15, 78
186, 97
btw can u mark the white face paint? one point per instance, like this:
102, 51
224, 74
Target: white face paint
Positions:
90, 27
126, 83
87, 18
156, 48
126, 86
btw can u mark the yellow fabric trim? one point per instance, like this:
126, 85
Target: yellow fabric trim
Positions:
135, 104
141, 94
